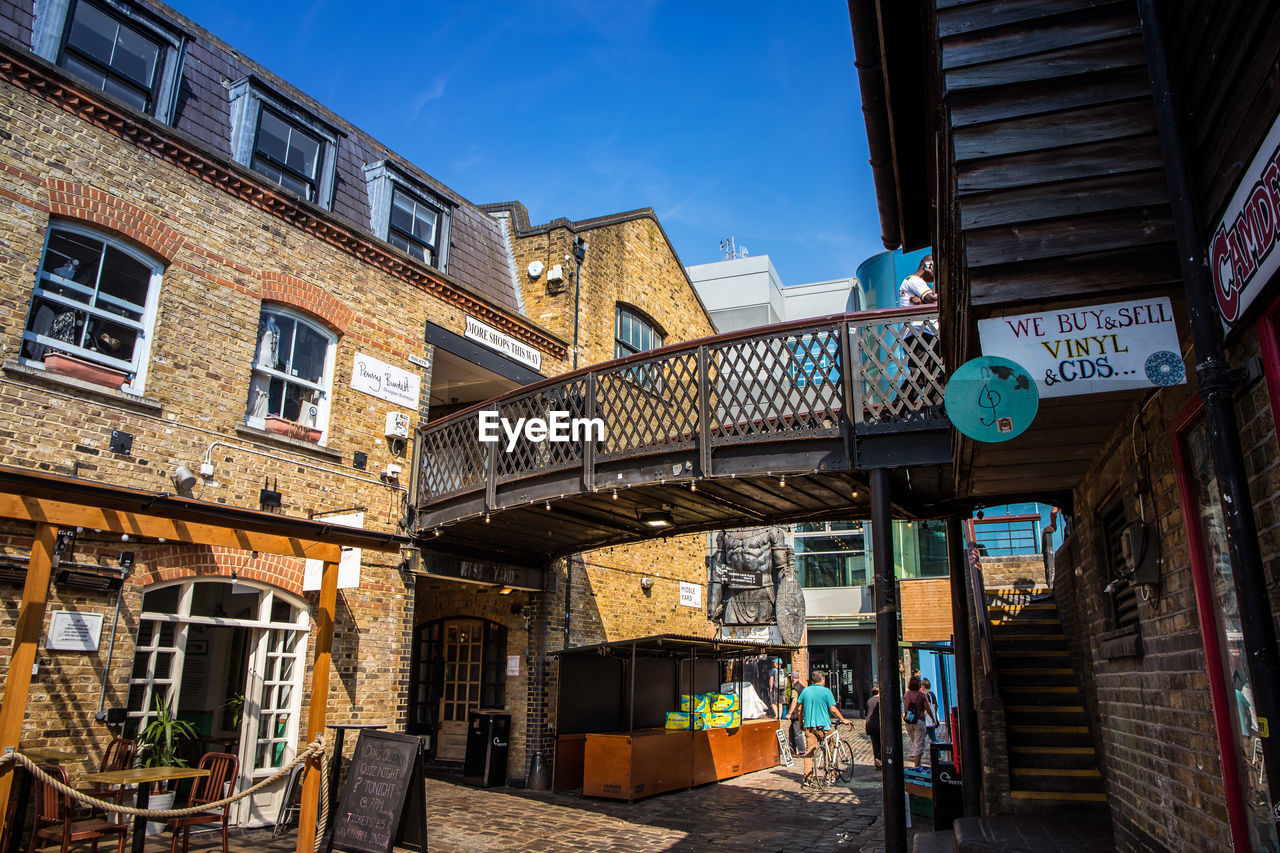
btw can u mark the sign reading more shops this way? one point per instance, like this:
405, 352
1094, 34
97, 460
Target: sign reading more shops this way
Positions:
1089, 350
72, 631
382, 380
483, 333
1242, 251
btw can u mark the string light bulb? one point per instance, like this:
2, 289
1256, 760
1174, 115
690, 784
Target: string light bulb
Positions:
615, 494
486, 518
437, 531
782, 481
548, 506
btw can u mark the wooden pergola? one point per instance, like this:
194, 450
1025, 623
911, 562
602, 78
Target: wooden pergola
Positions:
50, 502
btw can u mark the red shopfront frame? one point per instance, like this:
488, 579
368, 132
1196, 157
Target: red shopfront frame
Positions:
1210, 632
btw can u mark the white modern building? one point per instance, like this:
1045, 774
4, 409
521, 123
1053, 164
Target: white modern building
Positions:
742, 293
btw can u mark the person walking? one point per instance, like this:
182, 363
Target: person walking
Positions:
931, 729
915, 713
873, 723
818, 705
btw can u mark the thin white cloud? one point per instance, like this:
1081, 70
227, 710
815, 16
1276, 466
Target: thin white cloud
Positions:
431, 93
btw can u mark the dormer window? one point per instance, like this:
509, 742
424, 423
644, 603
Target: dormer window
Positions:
121, 49
283, 142
407, 214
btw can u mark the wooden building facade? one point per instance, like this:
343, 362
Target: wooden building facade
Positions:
1028, 143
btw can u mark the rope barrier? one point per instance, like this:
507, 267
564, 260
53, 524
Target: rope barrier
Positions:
315, 748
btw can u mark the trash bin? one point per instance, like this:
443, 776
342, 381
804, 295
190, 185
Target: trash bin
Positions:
488, 741
948, 792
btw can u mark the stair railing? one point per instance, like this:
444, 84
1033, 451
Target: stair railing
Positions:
978, 594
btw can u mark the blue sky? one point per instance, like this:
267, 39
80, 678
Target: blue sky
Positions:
737, 119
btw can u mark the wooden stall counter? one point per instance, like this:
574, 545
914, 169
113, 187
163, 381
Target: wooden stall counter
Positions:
654, 761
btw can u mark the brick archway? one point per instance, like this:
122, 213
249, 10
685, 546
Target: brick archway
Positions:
182, 562
306, 297
83, 203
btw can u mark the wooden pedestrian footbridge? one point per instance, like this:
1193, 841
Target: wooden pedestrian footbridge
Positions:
769, 425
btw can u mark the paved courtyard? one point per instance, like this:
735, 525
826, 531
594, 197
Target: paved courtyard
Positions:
760, 811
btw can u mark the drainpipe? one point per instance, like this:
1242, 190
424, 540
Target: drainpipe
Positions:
1216, 383
886, 592
966, 705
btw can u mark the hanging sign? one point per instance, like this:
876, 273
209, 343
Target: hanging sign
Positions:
348, 563
489, 336
379, 379
991, 399
1114, 347
72, 631
1242, 254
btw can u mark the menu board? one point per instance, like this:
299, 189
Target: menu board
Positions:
384, 800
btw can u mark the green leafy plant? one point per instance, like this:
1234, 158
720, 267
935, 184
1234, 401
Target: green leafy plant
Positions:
159, 740
235, 709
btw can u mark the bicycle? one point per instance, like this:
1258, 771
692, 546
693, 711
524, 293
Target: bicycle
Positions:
832, 760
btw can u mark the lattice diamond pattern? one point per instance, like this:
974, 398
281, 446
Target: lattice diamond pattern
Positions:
649, 404
528, 456
452, 458
779, 383
901, 376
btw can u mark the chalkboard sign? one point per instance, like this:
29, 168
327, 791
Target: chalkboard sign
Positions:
384, 801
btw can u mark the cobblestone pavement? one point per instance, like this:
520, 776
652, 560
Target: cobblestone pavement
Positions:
761, 811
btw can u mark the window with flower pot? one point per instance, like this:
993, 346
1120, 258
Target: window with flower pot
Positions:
292, 372
92, 309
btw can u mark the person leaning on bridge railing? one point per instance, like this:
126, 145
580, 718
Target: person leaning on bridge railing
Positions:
920, 337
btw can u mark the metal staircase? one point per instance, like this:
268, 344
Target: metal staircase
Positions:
1052, 758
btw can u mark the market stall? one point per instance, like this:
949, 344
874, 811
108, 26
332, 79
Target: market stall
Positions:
619, 705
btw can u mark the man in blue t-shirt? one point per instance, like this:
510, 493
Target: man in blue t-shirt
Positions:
817, 704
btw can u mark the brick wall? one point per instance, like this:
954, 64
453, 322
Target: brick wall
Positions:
225, 254
1152, 711
1013, 571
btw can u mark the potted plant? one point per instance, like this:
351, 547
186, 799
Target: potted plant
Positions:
158, 745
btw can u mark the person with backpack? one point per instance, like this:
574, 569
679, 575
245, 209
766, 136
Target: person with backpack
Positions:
873, 723
916, 712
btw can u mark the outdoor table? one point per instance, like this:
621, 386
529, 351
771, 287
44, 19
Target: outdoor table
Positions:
40, 755
335, 761
143, 777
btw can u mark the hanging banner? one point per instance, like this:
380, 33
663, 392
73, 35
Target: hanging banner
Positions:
348, 564
1089, 350
1242, 254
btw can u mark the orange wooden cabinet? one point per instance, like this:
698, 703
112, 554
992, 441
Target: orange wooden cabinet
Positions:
653, 761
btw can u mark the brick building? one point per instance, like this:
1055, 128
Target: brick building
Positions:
1068, 158
216, 287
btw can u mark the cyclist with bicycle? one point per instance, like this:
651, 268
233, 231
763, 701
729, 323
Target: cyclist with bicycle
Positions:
817, 704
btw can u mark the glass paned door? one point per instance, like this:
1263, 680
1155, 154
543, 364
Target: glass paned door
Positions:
156, 667
270, 729
463, 653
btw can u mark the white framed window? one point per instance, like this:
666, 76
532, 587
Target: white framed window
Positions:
93, 308
292, 375
117, 47
634, 332
283, 142
408, 215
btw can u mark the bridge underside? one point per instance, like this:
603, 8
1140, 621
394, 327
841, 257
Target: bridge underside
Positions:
535, 520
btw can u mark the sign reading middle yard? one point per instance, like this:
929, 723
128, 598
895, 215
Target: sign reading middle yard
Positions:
1092, 349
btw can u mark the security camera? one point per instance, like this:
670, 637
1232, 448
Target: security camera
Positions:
391, 472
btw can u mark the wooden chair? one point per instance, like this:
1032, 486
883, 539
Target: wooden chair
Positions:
223, 767
119, 756
55, 819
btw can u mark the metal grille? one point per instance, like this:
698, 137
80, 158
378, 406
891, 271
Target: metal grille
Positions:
528, 456
452, 458
652, 404
773, 384
901, 376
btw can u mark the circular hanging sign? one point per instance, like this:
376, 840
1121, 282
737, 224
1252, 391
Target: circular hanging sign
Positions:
991, 399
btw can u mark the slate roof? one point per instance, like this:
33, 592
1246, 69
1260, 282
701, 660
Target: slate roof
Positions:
478, 255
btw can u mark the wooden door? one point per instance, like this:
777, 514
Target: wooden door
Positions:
463, 655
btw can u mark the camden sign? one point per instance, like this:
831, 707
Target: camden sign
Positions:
1242, 252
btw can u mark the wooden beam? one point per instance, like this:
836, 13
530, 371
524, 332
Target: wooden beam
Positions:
65, 514
26, 637
317, 706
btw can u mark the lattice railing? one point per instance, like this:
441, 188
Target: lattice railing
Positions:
775, 383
